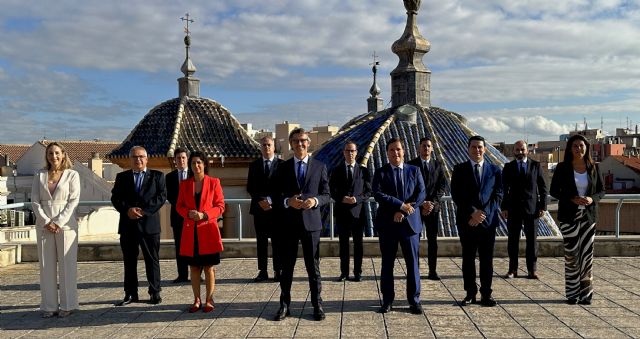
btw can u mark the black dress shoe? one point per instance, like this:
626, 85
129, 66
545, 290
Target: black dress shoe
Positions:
468, 300
584, 302
283, 312
318, 313
128, 299
386, 308
415, 309
572, 301
533, 275
180, 280
357, 278
155, 299
433, 276
511, 275
342, 277
488, 302
262, 276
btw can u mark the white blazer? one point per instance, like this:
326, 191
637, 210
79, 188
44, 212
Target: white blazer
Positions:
61, 207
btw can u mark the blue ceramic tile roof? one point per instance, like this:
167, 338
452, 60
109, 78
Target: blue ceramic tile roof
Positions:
450, 135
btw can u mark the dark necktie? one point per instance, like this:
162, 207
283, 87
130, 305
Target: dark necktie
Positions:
138, 177
267, 167
399, 187
522, 169
349, 174
182, 175
476, 172
300, 174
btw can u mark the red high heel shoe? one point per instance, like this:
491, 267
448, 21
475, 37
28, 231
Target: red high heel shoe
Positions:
196, 306
209, 306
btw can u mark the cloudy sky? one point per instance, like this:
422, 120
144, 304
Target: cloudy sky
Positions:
516, 69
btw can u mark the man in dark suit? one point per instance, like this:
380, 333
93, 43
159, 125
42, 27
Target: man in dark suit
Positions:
399, 190
303, 188
434, 183
350, 186
525, 201
180, 156
260, 187
138, 194
476, 189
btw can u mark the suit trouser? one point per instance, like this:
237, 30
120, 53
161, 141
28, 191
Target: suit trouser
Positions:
410, 245
150, 245
349, 226
310, 242
515, 224
264, 225
58, 259
481, 240
181, 262
431, 228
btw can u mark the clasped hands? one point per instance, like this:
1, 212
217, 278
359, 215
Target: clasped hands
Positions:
406, 208
583, 201
427, 207
297, 203
477, 217
195, 215
265, 205
348, 200
135, 213
52, 227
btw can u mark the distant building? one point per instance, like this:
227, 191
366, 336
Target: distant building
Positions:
320, 134
621, 173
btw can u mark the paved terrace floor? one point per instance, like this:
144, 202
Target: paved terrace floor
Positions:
526, 308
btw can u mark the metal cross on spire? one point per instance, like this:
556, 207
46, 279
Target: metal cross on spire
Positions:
186, 18
375, 61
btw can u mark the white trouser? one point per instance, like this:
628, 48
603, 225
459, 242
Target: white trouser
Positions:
58, 253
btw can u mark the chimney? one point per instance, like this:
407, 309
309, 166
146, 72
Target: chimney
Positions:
95, 164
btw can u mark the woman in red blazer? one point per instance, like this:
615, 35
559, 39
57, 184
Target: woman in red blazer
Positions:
200, 203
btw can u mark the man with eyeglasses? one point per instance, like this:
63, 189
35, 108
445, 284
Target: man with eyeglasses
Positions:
303, 188
260, 186
138, 194
350, 185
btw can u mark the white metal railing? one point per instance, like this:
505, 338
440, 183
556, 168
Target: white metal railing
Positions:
620, 198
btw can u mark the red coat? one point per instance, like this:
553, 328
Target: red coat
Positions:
211, 203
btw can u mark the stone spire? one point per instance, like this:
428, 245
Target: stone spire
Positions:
374, 103
188, 85
411, 79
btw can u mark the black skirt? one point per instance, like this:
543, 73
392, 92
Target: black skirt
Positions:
201, 259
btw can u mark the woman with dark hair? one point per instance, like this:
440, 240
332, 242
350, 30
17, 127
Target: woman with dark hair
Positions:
577, 184
55, 194
200, 203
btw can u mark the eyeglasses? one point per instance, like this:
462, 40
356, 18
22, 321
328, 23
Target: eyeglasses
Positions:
138, 156
295, 141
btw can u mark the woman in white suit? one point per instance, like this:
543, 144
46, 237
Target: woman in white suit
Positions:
55, 195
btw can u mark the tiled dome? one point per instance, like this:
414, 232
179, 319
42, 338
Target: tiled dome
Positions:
449, 134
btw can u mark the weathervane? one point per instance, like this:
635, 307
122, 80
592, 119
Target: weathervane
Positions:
375, 62
186, 18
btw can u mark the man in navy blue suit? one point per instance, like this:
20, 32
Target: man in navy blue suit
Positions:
476, 189
303, 187
399, 190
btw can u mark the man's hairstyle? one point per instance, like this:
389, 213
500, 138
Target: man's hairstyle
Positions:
134, 148
393, 141
266, 137
423, 139
350, 142
478, 138
180, 150
295, 131
65, 163
201, 156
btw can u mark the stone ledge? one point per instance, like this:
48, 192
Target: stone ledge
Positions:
605, 246
9, 254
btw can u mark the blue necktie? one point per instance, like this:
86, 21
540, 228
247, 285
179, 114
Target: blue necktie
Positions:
138, 178
523, 171
399, 187
300, 174
267, 167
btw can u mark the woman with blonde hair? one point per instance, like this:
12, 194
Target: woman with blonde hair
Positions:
55, 194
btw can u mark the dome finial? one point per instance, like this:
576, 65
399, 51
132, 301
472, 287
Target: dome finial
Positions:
374, 102
188, 85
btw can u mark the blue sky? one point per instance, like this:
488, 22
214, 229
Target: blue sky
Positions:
516, 69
